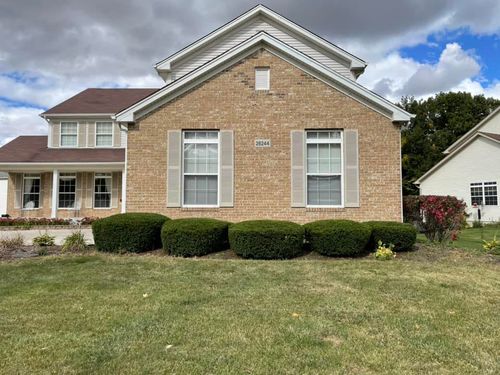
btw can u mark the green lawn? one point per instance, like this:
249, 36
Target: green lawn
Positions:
472, 238
431, 311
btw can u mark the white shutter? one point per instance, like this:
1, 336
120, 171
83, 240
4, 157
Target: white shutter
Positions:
56, 134
226, 194
174, 170
89, 189
117, 140
298, 173
262, 79
82, 134
351, 172
91, 134
115, 183
42, 190
18, 189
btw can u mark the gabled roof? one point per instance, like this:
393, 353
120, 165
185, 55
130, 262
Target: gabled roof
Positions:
472, 132
260, 10
99, 101
263, 40
491, 136
33, 149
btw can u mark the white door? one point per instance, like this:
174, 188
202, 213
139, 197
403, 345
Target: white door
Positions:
3, 196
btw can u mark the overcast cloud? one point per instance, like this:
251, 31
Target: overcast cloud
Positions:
50, 50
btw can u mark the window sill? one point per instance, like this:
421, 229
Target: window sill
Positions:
30, 209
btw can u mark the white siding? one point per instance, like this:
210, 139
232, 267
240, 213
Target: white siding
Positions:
477, 162
123, 134
492, 126
3, 196
246, 31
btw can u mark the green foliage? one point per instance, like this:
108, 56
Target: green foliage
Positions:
401, 235
12, 242
384, 252
492, 246
44, 240
134, 232
338, 237
440, 121
266, 239
74, 242
194, 236
477, 224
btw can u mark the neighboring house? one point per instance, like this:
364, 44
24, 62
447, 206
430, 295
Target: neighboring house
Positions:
3, 192
259, 119
470, 170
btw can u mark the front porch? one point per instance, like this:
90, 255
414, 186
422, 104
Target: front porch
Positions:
66, 192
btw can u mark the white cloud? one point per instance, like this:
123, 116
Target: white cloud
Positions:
15, 121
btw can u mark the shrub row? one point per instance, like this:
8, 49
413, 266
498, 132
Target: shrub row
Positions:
32, 221
258, 239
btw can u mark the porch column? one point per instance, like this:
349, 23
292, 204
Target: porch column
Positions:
55, 189
124, 191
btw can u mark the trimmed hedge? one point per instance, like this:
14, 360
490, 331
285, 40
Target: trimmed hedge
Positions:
402, 235
266, 239
134, 232
194, 236
338, 237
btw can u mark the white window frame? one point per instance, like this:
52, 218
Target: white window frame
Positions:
31, 176
112, 134
483, 185
103, 175
66, 176
61, 133
341, 174
268, 71
202, 141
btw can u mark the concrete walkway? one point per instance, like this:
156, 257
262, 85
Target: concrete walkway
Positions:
60, 234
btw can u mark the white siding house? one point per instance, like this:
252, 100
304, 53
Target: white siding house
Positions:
470, 171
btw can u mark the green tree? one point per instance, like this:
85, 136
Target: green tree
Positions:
440, 121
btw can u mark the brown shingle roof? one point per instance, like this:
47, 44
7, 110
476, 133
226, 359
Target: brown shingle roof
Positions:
100, 101
33, 149
492, 135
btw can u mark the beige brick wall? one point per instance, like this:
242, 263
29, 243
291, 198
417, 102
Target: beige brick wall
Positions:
262, 175
46, 202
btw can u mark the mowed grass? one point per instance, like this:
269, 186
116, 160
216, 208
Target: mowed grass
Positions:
472, 238
100, 314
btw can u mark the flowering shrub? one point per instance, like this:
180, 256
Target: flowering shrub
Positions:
42, 221
384, 252
492, 246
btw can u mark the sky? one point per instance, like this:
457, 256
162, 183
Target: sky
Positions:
52, 49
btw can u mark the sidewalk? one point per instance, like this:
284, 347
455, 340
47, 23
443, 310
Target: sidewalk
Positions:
60, 234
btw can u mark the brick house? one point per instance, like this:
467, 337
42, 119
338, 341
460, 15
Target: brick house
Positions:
259, 119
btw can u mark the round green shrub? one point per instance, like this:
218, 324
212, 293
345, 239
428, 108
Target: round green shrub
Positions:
402, 235
194, 236
338, 237
134, 232
266, 239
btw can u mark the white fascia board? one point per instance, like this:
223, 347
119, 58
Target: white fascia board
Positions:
355, 62
61, 166
225, 60
452, 154
472, 131
82, 115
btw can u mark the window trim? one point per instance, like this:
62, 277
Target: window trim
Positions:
110, 176
77, 133
112, 134
483, 185
66, 175
200, 141
342, 161
38, 177
263, 69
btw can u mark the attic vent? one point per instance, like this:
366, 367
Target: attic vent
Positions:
262, 78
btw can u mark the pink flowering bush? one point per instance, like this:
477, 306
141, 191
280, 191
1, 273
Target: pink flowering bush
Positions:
440, 218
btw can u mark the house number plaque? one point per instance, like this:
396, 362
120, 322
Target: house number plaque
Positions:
262, 143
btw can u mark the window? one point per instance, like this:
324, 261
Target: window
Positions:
31, 191
324, 168
201, 168
104, 134
67, 190
102, 190
69, 134
484, 193
262, 79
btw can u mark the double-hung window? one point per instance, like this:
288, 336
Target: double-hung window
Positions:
484, 193
104, 134
69, 134
67, 190
31, 191
324, 168
102, 190
200, 168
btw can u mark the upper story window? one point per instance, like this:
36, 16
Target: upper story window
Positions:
31, 191
262, 79
200, 168
104, 134
324, 168
69, 134
484, 193
67, 190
